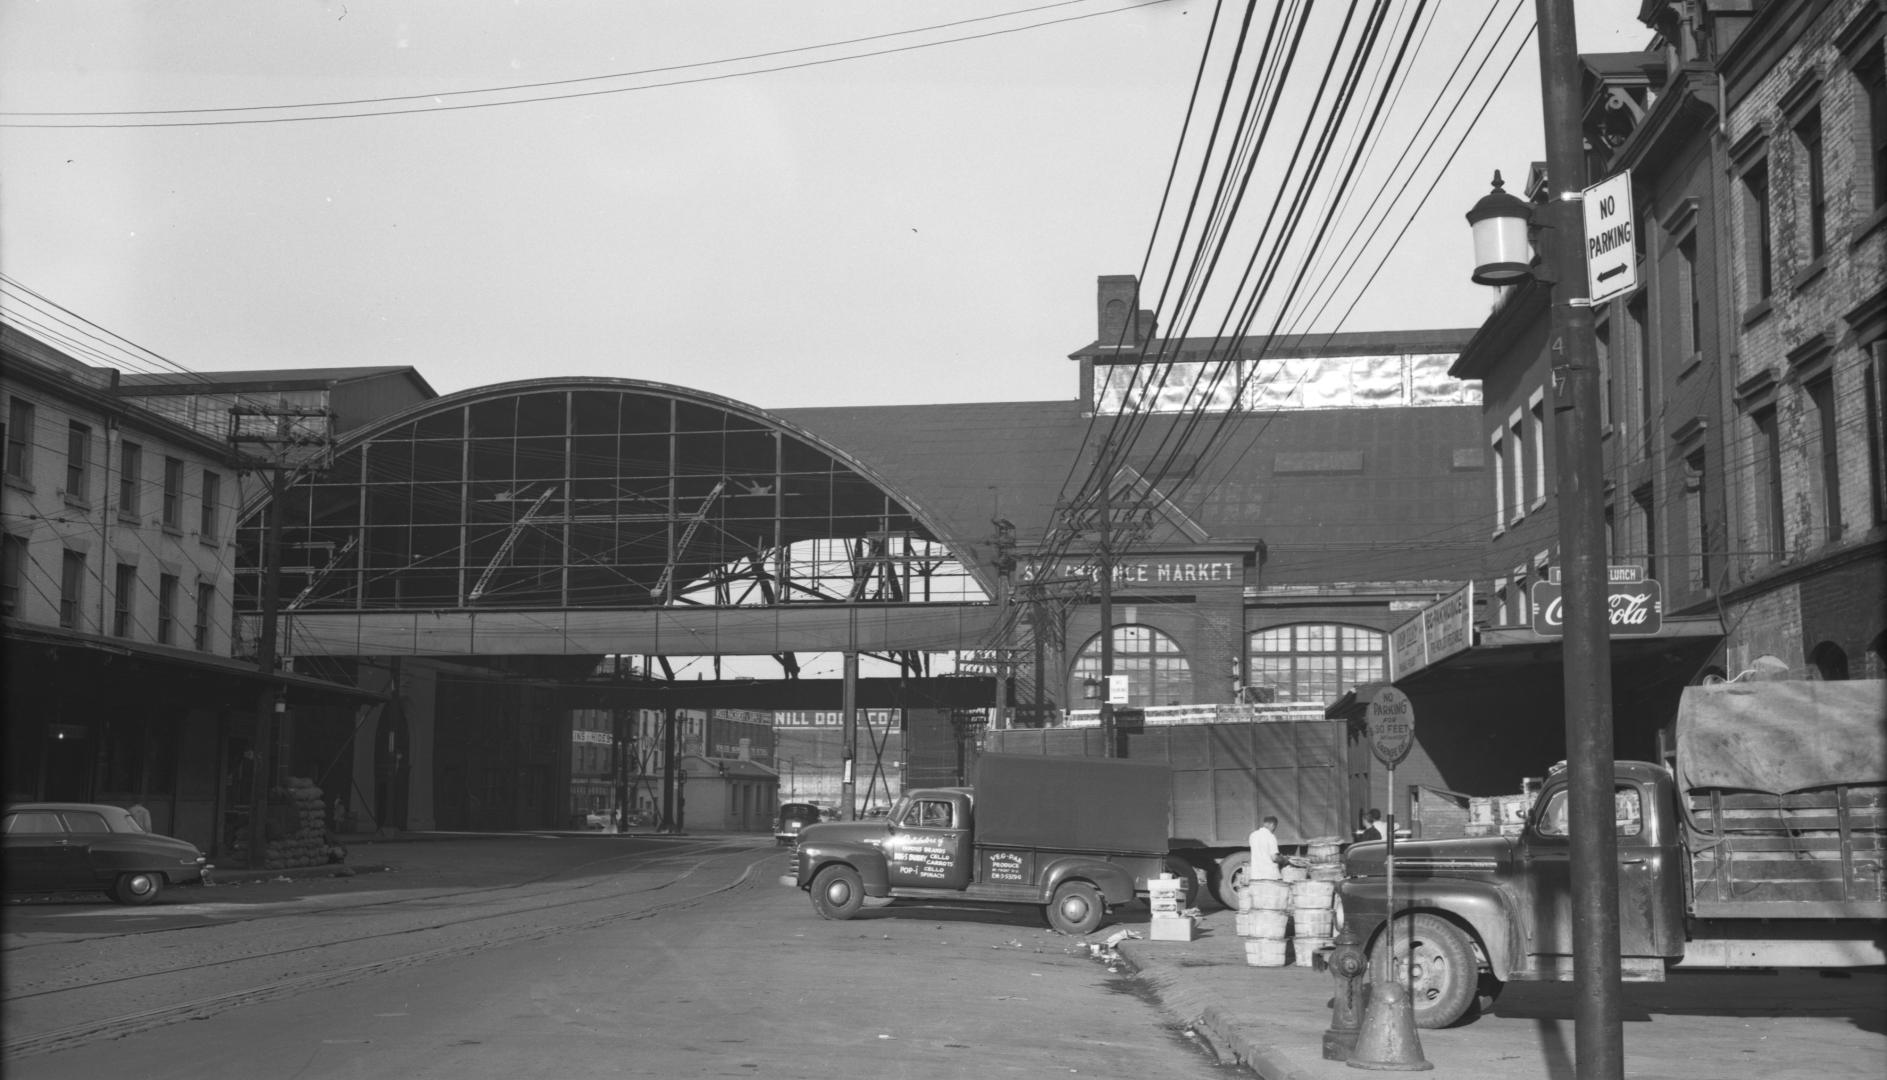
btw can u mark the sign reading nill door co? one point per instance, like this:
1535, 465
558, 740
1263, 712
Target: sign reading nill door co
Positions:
1611, 246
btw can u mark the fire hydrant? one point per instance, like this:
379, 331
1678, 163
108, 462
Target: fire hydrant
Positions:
1347, 964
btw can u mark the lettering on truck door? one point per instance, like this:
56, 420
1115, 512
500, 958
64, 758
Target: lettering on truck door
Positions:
926, 848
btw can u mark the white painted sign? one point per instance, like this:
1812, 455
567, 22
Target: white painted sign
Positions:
1117, 689
1391, 718
1611, 246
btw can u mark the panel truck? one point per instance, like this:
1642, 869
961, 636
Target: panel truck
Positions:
1227, 777
1073, 836
1760, 843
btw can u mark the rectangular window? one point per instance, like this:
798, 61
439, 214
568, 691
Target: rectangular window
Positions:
1874, 386
1827, 467
1538, 410
1808, 136
173, 493
71, 589
212, 501
1688, 290
1641, 327
1517, 438
1769, 480
78, 460
1648, 516
20, 420
206, 605
1602, 344
1872, 74
1762, 277
1695, 520
124, 600
130, 478
166, 608
1497, 451
12, 573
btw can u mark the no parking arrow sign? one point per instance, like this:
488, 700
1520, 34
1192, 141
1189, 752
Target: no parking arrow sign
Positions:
1611, 246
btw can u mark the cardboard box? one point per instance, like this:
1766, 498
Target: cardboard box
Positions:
1179, 928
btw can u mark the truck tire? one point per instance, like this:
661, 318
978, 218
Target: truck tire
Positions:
838, 892
1228, 880
1435, 960
1076, 909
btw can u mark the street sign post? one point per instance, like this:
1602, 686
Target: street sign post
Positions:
1611, 246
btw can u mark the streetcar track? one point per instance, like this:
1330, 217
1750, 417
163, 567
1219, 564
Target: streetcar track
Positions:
469, 891
131, 1023
337, 942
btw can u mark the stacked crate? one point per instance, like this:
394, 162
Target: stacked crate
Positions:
1165, 895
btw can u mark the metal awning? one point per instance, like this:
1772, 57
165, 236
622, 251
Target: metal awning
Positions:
24, 640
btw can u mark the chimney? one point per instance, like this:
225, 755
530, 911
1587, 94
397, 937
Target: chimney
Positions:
1118, 301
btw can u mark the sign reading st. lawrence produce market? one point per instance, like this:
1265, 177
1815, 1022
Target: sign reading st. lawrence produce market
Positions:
1632, 607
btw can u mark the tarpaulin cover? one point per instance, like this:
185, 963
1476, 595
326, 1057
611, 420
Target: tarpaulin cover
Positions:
1076, 804
1782, 736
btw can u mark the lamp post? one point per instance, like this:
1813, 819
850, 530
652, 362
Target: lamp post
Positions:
1500, 229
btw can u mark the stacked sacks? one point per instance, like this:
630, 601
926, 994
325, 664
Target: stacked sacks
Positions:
296, 833
1266, 922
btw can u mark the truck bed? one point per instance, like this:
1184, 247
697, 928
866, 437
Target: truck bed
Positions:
1809, 854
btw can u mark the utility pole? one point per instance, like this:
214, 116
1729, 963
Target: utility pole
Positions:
1597, 1034
278, 434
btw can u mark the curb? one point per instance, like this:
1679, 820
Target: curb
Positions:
1235, 1042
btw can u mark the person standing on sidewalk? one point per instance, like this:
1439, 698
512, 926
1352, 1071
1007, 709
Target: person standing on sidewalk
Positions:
1264, 852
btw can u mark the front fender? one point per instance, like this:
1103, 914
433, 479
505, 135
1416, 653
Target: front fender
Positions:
869, 861
1483, 908
1115, 883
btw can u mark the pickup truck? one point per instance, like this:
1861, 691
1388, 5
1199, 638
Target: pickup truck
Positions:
1074, 836
1761, 844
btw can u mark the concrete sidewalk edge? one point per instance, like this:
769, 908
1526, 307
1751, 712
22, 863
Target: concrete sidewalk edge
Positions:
1243, 1043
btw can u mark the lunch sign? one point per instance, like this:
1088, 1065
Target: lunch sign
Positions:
1634, 604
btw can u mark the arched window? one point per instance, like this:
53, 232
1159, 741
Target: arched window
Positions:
1157, 671
1830, 661
1314, 663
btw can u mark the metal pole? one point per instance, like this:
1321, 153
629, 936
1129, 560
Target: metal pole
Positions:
1598, 1037
848, 785
1107, 622
263, 774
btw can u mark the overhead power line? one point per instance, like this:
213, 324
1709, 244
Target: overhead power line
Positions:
452, 100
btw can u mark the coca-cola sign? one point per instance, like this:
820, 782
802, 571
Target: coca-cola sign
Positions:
1631, 608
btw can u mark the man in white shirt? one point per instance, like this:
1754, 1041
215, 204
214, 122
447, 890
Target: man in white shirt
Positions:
1264, 852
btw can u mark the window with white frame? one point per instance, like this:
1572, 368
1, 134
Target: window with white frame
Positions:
1157, 670
1536, 406
1497, 450
1517, 437
1315, 663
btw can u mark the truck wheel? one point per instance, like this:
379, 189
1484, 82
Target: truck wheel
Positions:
1436, 962
838, 892
1229, 881
1077, 909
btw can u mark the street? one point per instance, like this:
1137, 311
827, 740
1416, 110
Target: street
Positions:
582, 955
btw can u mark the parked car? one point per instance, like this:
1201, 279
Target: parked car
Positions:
794, 816
93, 847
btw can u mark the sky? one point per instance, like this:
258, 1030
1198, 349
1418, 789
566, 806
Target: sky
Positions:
921, 225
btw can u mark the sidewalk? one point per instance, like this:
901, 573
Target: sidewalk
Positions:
1694, 1026
367, 853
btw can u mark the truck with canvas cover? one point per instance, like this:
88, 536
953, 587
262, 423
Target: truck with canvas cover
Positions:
1073, 836
1761, 843
1227, 777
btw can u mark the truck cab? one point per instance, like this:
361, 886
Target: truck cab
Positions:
1501, 906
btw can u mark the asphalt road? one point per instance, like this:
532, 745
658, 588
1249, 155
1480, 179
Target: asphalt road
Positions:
570, 956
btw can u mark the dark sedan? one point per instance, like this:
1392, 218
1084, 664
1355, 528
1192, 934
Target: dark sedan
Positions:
93, 847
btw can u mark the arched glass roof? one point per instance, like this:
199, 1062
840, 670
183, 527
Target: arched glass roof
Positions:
599, 494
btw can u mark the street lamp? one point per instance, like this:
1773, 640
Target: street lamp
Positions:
1503, 255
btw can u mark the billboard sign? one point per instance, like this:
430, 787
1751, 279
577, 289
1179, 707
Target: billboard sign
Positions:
1632, 608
